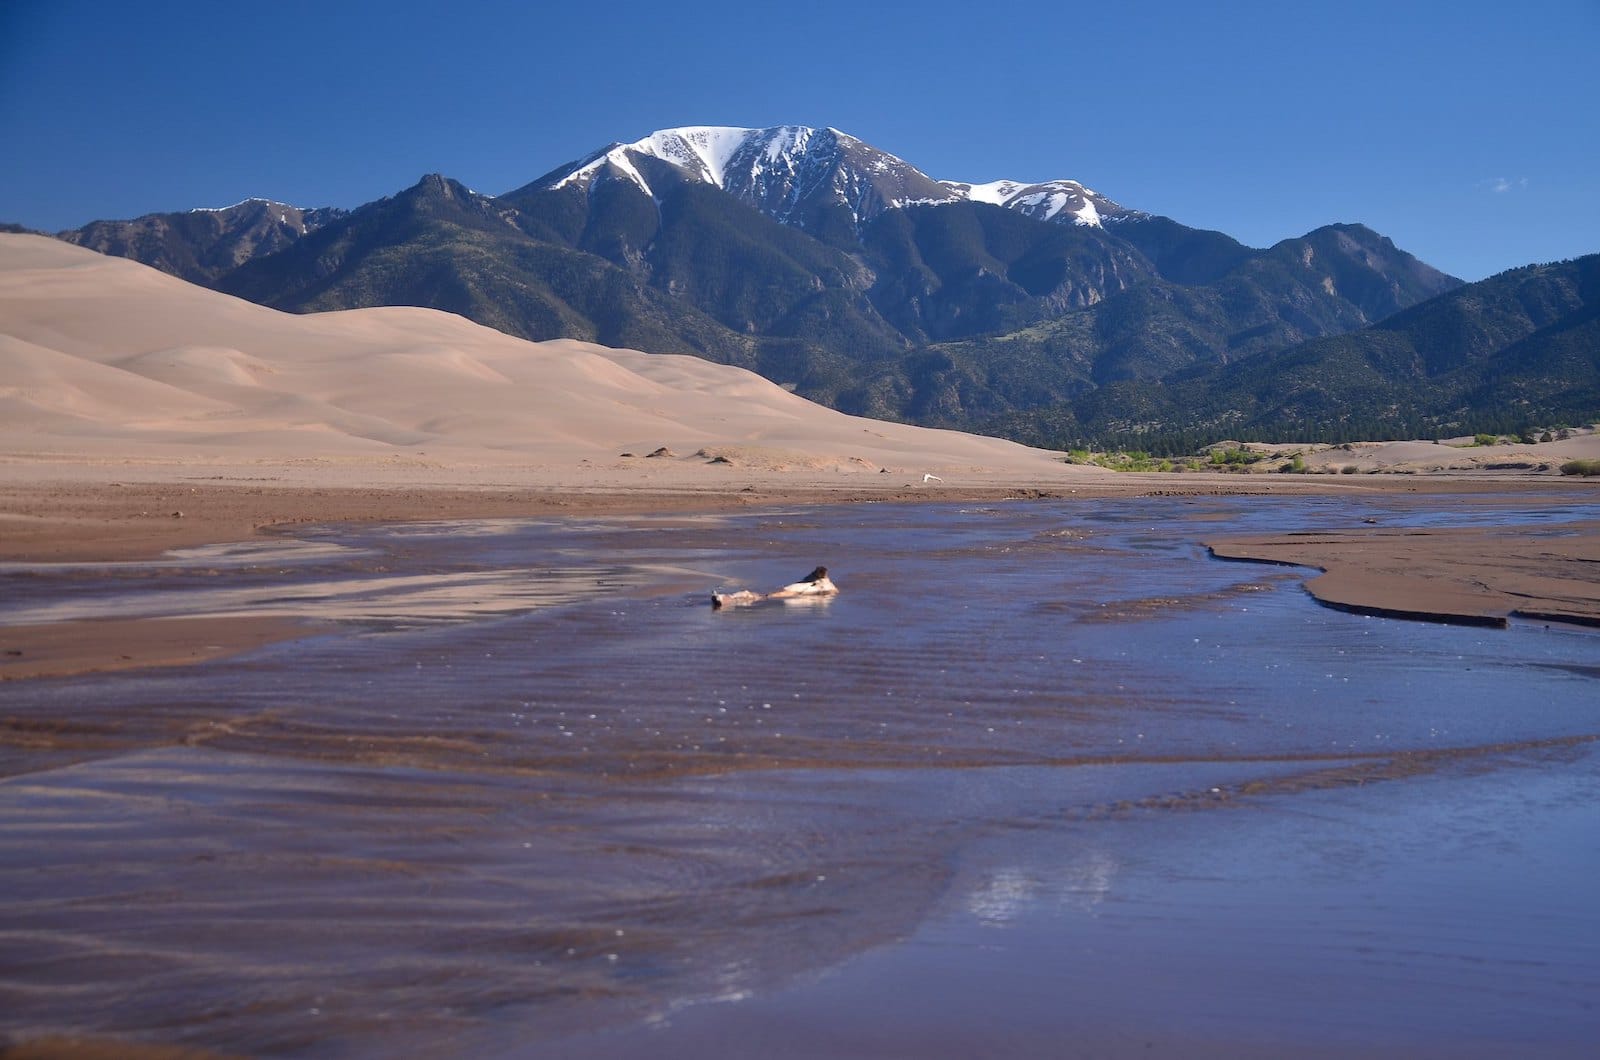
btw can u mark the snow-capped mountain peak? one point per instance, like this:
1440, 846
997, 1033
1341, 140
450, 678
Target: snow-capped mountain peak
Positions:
701, 152
793, 172
788, 171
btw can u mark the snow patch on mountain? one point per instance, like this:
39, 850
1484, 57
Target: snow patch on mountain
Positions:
787, 170
242, 202
703, 152
1044, 202
995, 193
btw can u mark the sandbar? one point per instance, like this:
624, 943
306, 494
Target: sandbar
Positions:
1463, 575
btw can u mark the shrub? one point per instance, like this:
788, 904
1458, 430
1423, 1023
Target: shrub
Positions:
1235, 459
1586, 468
1349, 469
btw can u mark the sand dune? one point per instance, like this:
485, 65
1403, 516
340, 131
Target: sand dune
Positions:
107, 365
105, 358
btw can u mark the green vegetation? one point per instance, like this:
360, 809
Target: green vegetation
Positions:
1231, 458
1120, 461
1585, 468
1224, 458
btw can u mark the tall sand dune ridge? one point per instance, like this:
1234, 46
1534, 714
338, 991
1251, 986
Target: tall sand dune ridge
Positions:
106, 359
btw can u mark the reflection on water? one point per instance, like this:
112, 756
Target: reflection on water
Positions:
534, 784
1007, 893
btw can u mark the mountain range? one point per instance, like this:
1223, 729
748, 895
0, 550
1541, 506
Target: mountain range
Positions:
1043, 311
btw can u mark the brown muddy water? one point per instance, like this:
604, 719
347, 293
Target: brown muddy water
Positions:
1043, 780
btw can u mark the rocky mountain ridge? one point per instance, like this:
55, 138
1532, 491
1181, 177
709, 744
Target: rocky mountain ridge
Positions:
827, 265
202, 245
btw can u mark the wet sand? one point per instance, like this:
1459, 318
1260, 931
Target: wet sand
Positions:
57, 649
1467, 576
532, 788
1471, 575
52, 522
88, 517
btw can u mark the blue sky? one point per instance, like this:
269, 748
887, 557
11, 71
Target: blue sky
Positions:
1467, 131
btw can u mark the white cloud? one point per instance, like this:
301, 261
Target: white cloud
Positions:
1501, 185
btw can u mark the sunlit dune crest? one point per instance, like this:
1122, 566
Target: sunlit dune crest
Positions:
104, 357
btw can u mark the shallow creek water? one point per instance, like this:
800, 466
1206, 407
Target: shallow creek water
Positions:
1041, 772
